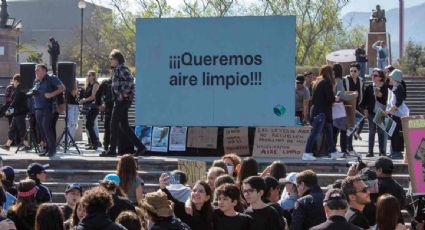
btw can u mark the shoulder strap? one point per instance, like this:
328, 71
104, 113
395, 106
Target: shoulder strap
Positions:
347, 83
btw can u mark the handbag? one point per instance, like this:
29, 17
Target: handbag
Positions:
339, 116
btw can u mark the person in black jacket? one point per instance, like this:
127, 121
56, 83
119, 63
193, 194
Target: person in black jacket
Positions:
96, 203
105, 102
308, 211
335, 204
9, 180
323, 98
53, 49
37, 172
375, 97
17, 110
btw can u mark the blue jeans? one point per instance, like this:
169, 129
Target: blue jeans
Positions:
319, 124
382, 136
44, 119
362, 70
382, 63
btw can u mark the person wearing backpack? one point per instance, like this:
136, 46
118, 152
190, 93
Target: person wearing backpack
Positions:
54, 51
381, 53
44, 91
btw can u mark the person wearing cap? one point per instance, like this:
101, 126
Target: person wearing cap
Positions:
9, 180
375, 97
37, 172
335, 205
160, 212
96, 202
289, 195
120, 204
386, 184
358, 197
73, 193
23, 212
302, 99
308, 211
396, 109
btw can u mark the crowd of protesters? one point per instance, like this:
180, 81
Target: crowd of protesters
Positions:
315, 104
234, 195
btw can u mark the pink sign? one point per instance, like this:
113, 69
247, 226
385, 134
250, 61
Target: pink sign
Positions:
414, 135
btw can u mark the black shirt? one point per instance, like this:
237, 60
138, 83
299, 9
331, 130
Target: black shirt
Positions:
238, 222
71, 100
67, 211
266, 218
354, 86
360, 55
323, 98
104, 94
356, 217
337, 223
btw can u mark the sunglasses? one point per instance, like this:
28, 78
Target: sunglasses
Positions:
363, 190
248, 191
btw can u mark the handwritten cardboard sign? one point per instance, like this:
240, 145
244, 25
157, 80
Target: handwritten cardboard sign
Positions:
202, 137
195, 170
280, 141
414, 136
235, 140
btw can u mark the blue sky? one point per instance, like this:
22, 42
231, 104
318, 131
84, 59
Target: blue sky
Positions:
353, 5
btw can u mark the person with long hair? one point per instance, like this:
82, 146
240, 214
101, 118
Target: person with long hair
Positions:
5, 223
323, 99
23, 212
249, 167
232, 161
375, 97
342, 128
77, 215
130, 183
49, 217
200, 201
90, 110
388, 213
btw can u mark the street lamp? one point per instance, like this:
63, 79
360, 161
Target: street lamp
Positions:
81, 5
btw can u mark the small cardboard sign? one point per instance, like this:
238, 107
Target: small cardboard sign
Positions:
202, 137
195, 170
287, 142
414, 136
235, 140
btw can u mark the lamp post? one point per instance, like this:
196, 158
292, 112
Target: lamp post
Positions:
81, 5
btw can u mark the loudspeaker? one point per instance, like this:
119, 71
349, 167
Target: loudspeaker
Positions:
27, 72
66, 73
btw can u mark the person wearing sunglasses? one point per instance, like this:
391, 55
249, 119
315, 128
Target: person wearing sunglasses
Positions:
358, 197
354, 84
375, 98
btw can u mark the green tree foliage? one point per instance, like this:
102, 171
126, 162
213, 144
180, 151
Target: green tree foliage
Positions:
351, 38
35, 57
318, 24
413, 62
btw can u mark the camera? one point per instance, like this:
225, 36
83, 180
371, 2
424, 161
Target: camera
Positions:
33, 91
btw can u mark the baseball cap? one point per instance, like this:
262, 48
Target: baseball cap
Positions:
290, 178
36, 168
70, 187
9, 172
334, 194
300, 79
384, 163
113, 178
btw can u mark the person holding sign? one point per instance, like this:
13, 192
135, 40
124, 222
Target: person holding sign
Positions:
396, 109
375, 97
323, 98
